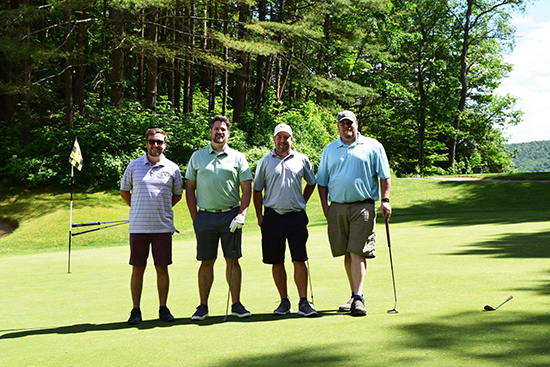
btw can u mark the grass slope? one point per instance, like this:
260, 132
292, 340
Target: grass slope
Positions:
456, 246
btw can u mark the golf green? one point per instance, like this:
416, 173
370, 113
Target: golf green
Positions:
452, 255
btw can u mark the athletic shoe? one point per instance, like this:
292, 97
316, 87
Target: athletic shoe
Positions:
237, 309
346, 307
201, 313
306, 309
358, 306
135, 316
165, 315
284, 307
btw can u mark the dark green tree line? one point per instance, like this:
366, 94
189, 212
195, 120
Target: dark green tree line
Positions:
420, 74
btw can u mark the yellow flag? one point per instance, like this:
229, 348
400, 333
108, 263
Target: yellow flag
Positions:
76, 156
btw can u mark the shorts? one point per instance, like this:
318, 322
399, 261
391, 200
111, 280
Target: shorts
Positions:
351, 229
276, 229
161, 247
210, 228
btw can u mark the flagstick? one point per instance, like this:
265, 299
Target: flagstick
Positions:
70, 222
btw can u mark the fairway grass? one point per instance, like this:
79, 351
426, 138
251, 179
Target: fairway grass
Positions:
456, 247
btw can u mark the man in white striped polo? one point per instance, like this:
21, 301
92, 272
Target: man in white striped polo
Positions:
151, 186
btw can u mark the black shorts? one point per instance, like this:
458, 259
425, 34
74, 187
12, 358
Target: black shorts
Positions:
276, 229
161, 247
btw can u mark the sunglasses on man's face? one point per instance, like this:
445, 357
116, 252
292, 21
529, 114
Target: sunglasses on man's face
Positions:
153, 142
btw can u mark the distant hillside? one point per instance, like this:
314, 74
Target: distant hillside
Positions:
533, 156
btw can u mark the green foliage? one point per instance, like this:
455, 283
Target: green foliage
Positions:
109, 139
531, 157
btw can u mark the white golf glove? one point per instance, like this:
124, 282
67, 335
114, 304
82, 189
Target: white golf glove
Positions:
236, 223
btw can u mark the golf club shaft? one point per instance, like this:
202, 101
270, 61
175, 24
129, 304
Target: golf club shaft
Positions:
507, 299
391, 262
230, 282
310, 285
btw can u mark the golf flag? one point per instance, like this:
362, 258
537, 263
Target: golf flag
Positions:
76, 156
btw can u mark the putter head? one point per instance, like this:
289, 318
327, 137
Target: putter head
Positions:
393, 310
488, 308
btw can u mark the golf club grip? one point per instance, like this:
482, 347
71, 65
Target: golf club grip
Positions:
86, 224
388, 232
99, 223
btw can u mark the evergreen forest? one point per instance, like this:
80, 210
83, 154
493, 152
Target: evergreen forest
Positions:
420, 75
531, 157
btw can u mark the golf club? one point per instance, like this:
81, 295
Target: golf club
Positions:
99, 223
230, 281
96, 229
394, 309
310, 286
489, 308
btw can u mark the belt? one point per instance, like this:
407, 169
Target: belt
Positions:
218, 210
287, 213
369, 201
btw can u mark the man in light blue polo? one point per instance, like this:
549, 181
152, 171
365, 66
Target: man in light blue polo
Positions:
348, 176
214, 176
279, 174
151, 186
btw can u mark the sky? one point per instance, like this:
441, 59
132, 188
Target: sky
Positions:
530, 79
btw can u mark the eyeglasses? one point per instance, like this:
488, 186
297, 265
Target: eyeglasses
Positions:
153, 142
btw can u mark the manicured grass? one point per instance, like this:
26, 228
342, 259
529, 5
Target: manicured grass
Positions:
456, 246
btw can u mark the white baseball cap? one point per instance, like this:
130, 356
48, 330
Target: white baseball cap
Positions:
282, 127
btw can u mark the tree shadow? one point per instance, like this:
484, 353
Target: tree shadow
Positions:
510, 338
513, 245
479, 202
326, 355
42, 202
543, 287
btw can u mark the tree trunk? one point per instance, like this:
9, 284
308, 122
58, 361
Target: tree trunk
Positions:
241, 74
188, 65
151, 62
80, 69
260, 63
69, 108
117, 73
463, 83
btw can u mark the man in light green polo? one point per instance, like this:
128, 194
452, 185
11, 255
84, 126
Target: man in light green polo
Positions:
214, 176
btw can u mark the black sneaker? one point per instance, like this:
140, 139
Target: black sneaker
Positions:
284, 307
201, 313
135, 316
306, 309
237, 309
358, 306
165, 315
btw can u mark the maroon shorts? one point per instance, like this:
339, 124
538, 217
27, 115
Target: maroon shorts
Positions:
161, 244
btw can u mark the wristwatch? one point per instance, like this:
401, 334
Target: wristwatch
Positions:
385, 200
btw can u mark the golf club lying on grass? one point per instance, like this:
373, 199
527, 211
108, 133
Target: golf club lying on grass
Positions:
394, 310
489, 308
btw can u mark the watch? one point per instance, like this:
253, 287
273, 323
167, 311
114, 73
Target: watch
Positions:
385, 200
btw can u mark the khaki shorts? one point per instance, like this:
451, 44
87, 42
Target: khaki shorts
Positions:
351, 229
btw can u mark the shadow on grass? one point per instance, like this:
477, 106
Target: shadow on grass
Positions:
325, 355
152, 324
479, 202
42, 202
504, 338
513, 245
542, 288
